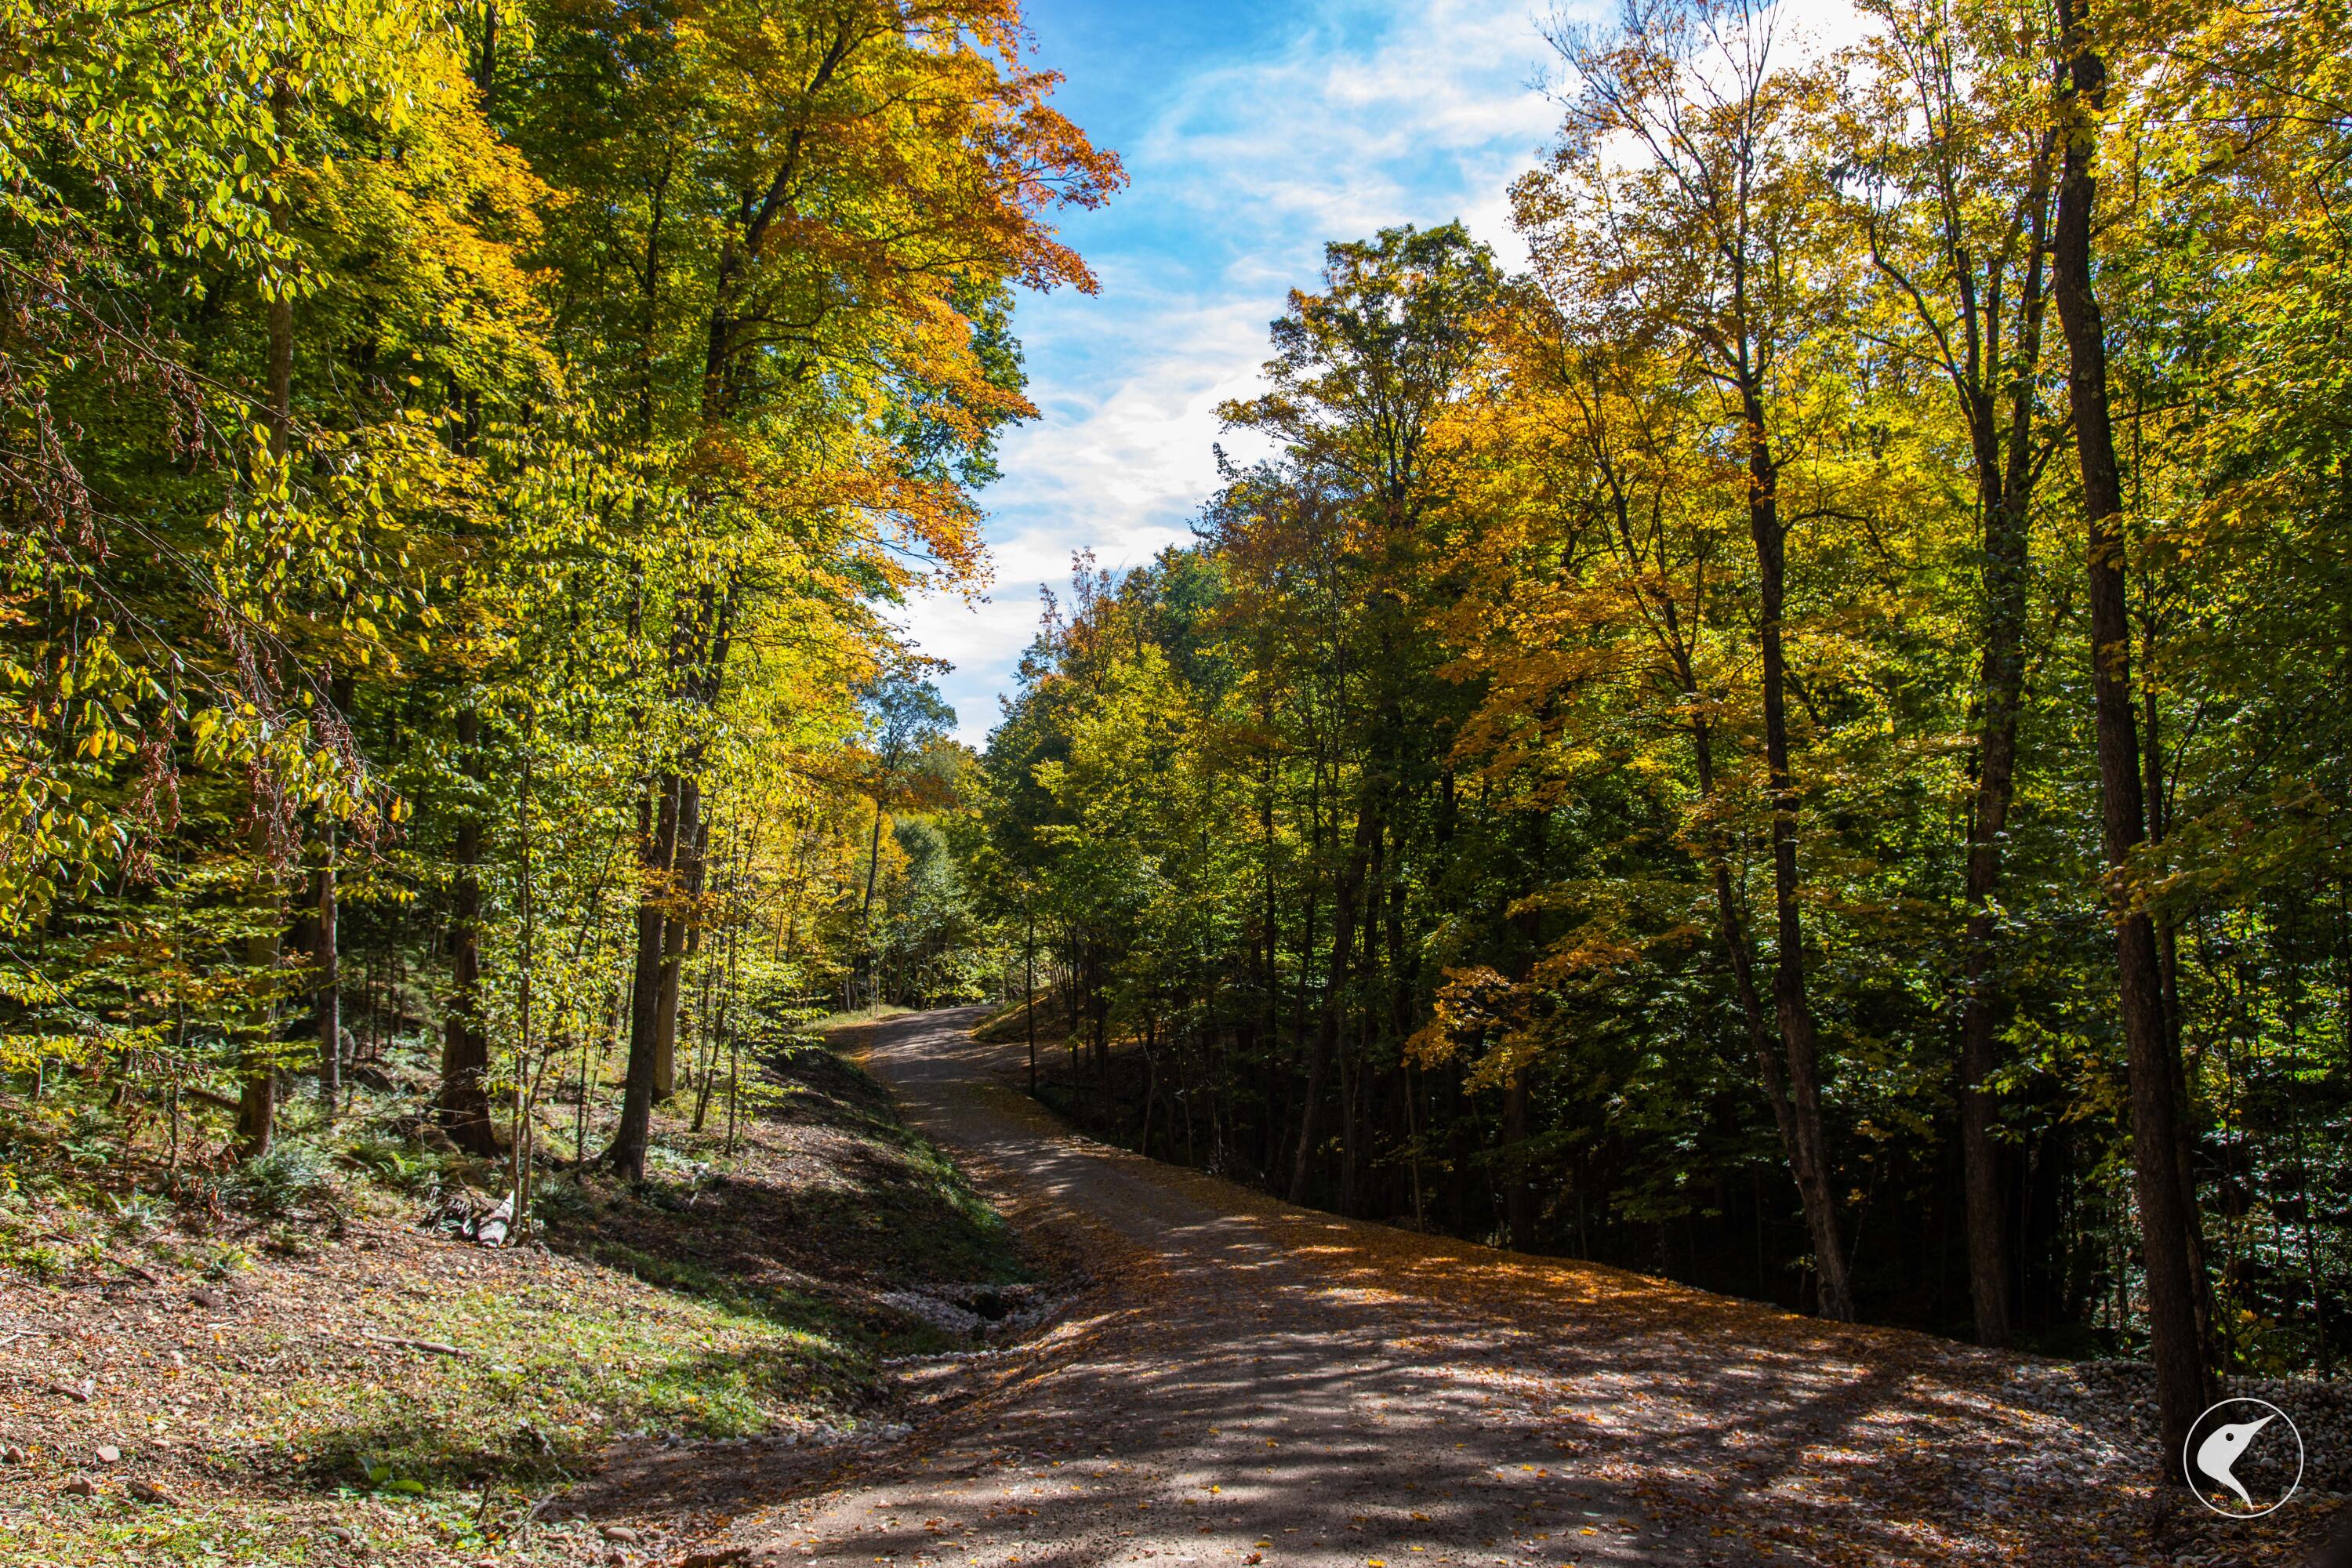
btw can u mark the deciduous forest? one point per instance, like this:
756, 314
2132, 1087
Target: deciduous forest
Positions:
1787, 731
1794, 744
459, 463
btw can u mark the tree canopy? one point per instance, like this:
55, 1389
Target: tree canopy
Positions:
1791, 742
459, 462
1705, 755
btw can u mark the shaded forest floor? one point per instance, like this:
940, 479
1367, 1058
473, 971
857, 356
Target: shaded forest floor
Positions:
1249, 1381
771, 1358
305, 1368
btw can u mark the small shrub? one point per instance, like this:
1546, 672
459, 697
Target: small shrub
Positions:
136, 1214
392, 1164
89, 1154
289, 1241
41, 1260
299, 1116
663, 1158
197, 1197
221, 1261
287, 1179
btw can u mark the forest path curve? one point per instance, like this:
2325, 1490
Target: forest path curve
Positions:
1249, 1383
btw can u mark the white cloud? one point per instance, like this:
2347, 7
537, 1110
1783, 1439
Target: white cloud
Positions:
1329, 140
1365, 116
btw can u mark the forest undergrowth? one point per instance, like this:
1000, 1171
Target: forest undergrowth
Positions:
307, 1361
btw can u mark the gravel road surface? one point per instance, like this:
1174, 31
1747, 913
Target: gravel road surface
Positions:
1245, 1383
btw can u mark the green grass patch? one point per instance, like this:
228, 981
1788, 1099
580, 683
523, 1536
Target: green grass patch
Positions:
548, 1378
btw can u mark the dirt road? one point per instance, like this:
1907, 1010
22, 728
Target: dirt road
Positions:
1245, 1383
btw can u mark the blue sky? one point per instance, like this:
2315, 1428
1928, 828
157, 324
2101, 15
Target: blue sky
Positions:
1252, 134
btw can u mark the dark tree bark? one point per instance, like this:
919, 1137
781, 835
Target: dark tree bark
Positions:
256, 1108
1271, 1024
2005, 472
485, 62
1402, 967
1029, 987
1098, 1019
2168, 958
327, 995
869, 959
670, 864
1325, 1044
464, 1104
1808, 1147
657, 850
1740, 953
1731, 926
679, 929
1517, 1184
325, 936
257, 1111
2167, 1212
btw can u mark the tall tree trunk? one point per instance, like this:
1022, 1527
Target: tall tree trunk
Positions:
1982, 1011
657, 850
1098, 1018
486, 63
1798, 1039
1029, 987
1355, 1066
1326, 1042
2168, 960
2004, 489
1272, 1022
2165, 1214
871, 957
1071, 1035
691, 841
327, 995
1352, 1072
1741, 955
257, 1086
1150, 1085
464, 1104
1731, 927
1518, 1179
1401, 966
